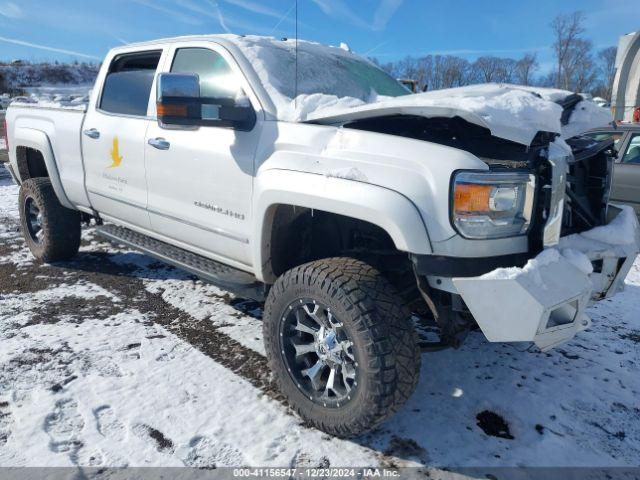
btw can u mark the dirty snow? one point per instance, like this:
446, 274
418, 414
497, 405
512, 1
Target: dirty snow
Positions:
113, 359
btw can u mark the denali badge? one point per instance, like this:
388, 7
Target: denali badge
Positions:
220, 210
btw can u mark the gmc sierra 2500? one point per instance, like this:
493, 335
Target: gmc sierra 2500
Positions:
340, 199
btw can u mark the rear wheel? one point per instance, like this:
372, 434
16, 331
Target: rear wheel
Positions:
51, 231
340, 345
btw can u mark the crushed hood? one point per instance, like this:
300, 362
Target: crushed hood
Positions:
510, 112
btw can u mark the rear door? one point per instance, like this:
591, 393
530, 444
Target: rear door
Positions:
113, 138
626, 173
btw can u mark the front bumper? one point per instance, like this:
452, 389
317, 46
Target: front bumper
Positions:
545, 302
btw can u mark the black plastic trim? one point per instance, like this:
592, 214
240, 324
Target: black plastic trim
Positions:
442, 266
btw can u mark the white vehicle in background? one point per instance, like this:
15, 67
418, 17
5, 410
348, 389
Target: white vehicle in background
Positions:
625, 96
345, 203
601, 102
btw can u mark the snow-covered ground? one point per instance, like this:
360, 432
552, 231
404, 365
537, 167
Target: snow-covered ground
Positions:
114, 359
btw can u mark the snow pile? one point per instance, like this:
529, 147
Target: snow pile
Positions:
509, 111
532, 269
327, 81
304, 105
617, 238
586, 115
620, 231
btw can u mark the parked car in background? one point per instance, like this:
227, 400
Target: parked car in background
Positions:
626, 172
410, 84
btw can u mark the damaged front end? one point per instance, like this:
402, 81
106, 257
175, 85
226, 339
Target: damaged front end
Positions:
545, 301
539, 295
588, 247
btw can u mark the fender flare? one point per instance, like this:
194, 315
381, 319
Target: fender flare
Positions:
386, 208
38, 140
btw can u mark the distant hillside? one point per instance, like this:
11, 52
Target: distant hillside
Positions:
16, 77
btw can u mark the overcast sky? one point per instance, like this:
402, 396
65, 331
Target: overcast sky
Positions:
387, 29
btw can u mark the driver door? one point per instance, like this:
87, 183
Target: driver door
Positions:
200, 179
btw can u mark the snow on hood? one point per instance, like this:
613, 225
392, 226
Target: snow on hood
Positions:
330, 91
509, 111
586, 115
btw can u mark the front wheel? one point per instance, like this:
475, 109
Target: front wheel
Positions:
341, 345
51, 231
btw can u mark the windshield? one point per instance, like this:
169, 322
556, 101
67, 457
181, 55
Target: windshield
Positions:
322, 70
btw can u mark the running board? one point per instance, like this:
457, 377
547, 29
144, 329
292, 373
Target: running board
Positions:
228, 278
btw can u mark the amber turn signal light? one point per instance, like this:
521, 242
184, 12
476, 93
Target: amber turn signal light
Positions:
471, 198
168, 110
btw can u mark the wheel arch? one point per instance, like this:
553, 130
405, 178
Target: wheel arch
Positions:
35, 158
387, 212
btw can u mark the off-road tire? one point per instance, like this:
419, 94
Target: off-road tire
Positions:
384, 335
60, 239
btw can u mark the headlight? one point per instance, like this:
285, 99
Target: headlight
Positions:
492, 205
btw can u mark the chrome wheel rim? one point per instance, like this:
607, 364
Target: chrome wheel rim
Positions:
33, 217
318, 353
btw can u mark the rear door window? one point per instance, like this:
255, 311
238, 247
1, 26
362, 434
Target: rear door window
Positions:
127, 88
632, 153
602, 136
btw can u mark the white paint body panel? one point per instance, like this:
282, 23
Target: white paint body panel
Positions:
56, 133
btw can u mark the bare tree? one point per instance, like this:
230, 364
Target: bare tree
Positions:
506, 70
578, 67
449, 71
417, 69
580, 71
567, 29
486, 69
524, 69
607, 61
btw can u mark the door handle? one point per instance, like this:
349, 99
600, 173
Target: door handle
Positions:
92, 133
159, 143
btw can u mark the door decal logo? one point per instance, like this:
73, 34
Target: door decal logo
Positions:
116, 158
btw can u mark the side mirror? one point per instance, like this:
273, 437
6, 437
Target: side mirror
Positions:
180, 104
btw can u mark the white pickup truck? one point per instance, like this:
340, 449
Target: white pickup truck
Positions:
304, 176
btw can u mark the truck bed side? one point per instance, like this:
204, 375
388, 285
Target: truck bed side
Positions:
53, 132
